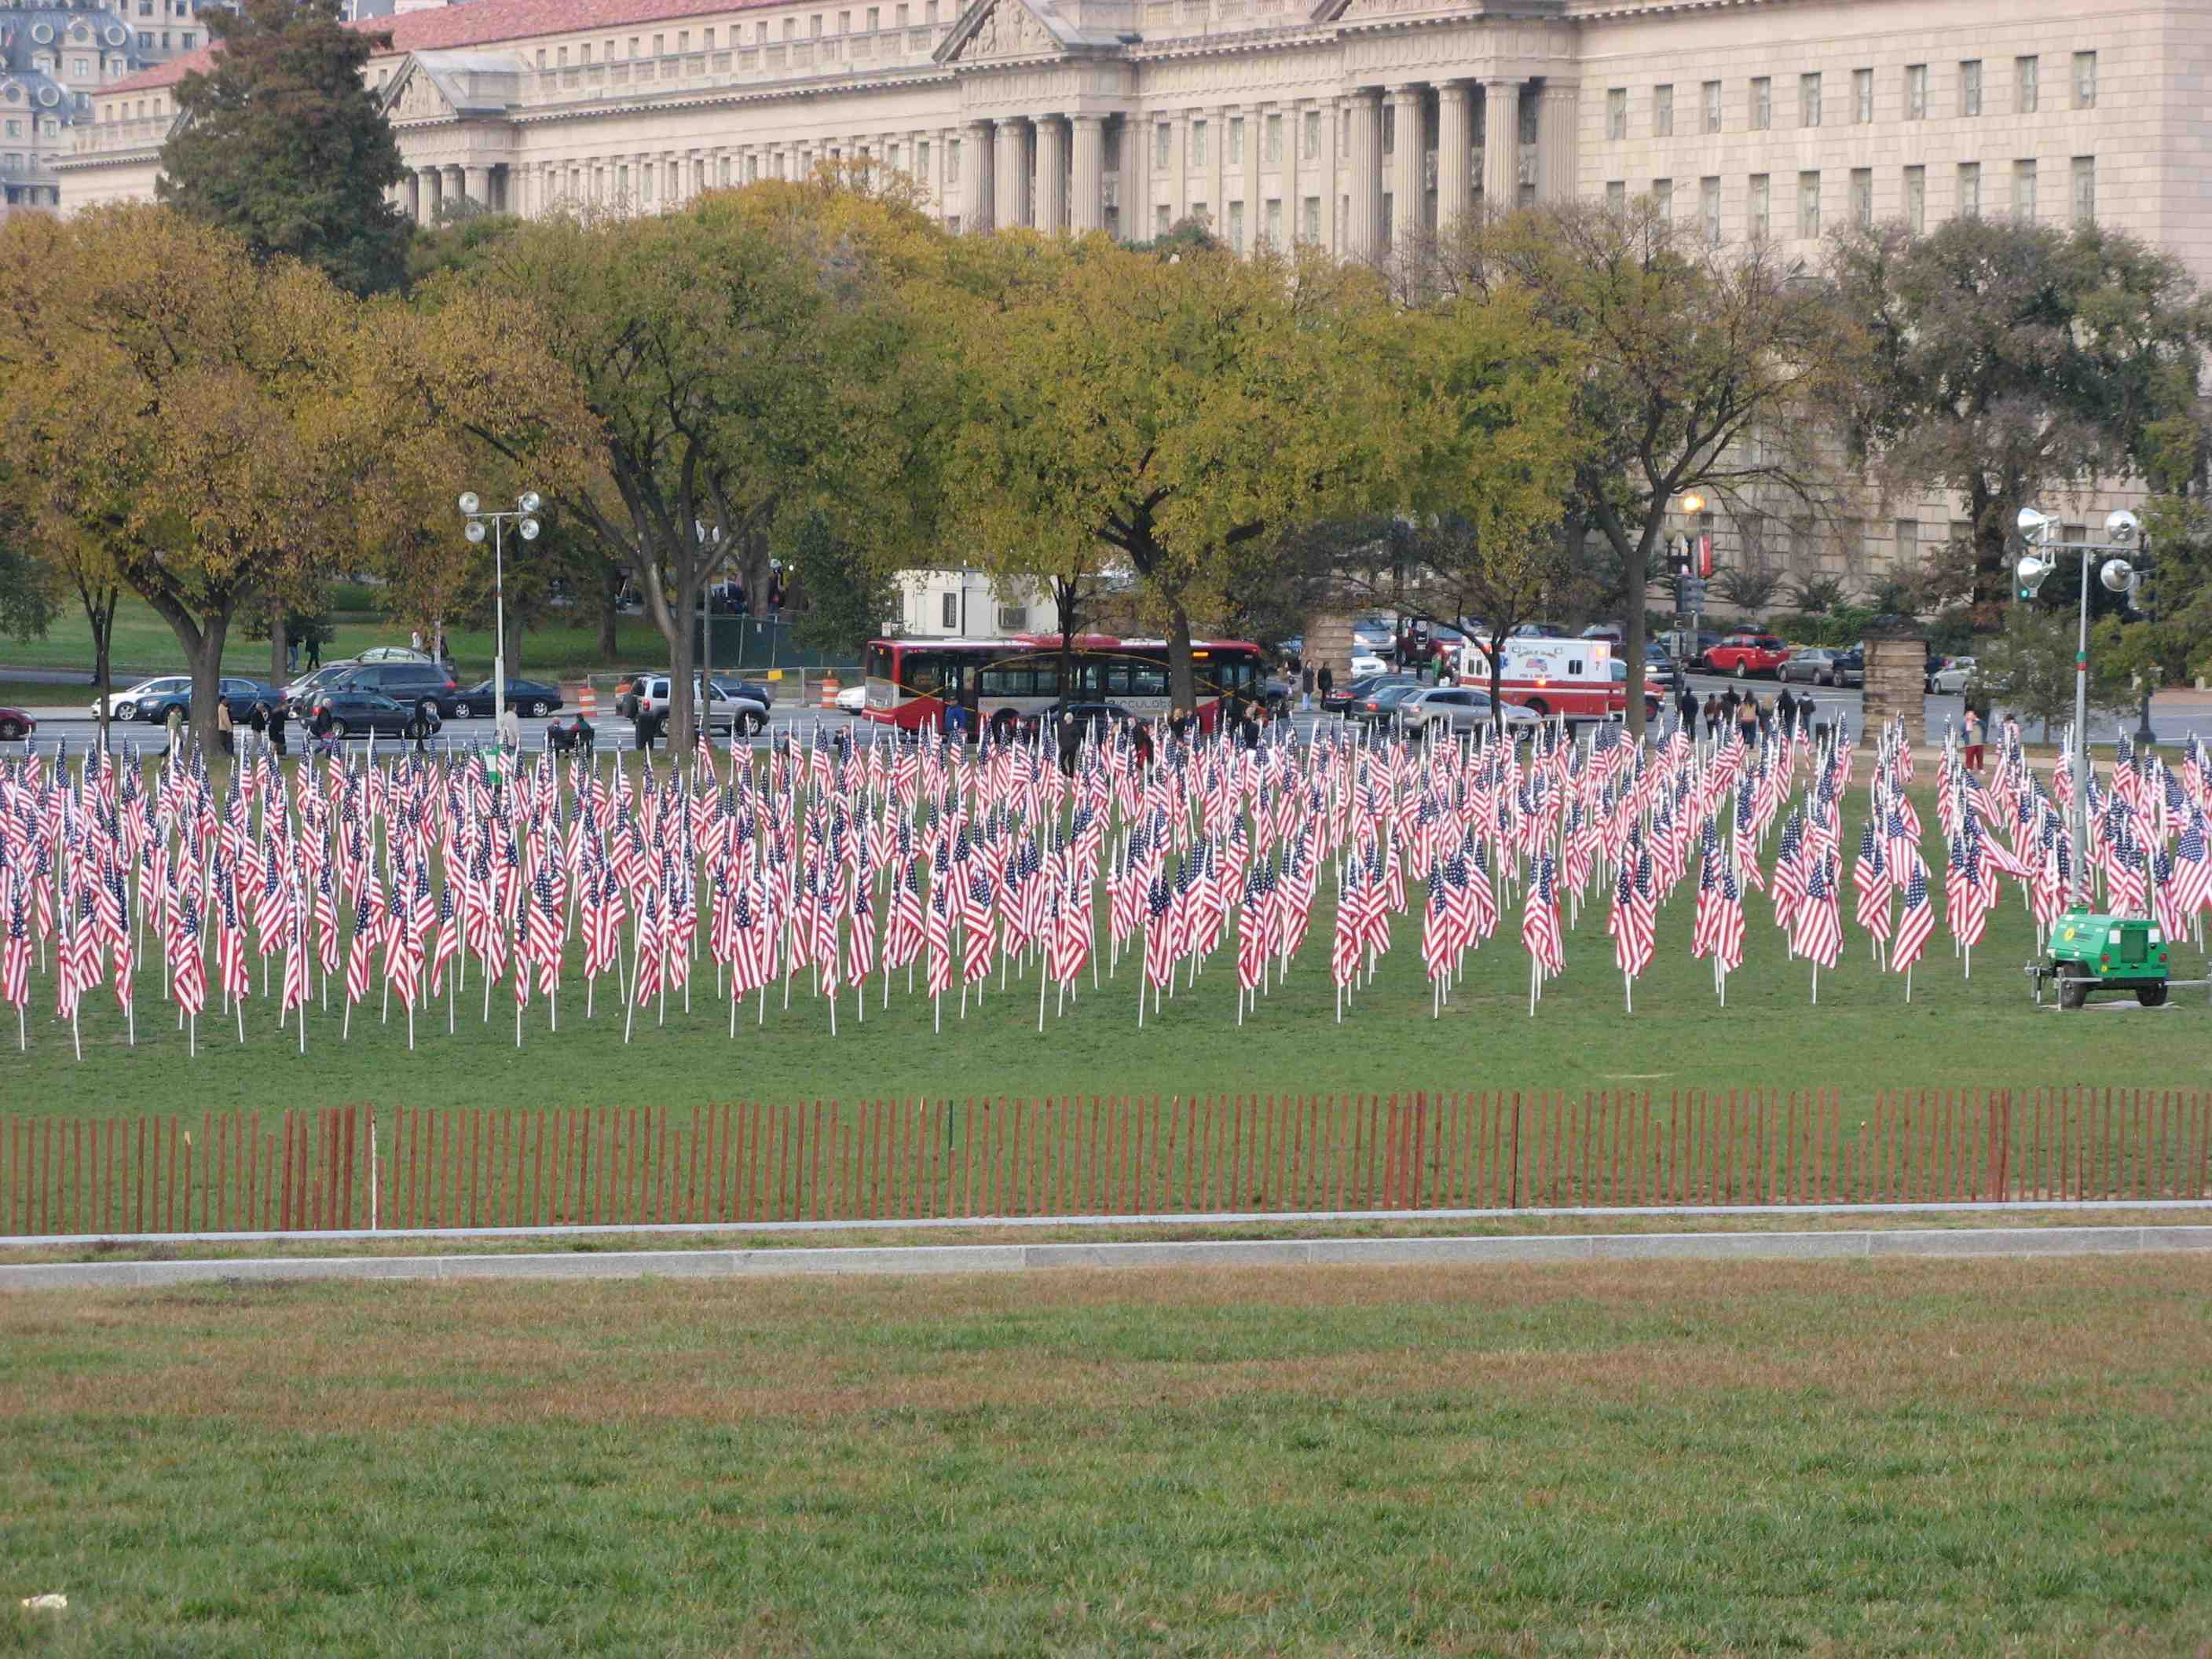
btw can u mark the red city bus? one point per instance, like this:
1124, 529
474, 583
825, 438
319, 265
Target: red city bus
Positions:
1007, 683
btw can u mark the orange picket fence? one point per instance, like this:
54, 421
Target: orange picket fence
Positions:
350, 1167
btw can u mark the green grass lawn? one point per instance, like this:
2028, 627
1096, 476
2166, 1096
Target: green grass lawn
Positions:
144, 645
2001, 1457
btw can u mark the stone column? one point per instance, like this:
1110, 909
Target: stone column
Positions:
1329, 184
1556, 150
1501, 145
477, 185
1179, 166
977, 206
1217, 170
436, 176
1408, 183
1255, 140
1136, 178
1455, 155
414, 188
1292, 181
1087, 210
1052, 175
1362, 234
1010, 167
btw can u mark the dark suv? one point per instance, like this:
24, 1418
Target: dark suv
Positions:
423, 686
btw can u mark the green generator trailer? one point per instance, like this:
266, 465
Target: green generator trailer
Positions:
2090, 952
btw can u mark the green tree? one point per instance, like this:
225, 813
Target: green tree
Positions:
2008, 359
283, 144
26, 587
844, 597
1702, 370
2029, 668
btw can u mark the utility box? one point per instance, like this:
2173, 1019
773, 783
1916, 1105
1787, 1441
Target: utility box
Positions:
2092, 951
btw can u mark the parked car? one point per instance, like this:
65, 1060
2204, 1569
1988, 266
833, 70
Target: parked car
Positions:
853, 698
300, 693
1341, 699
1380, 706
426, 686
1813, 664
1099, 720
1445, 709
735, 704
1746, 654
1951, 679
1364, 663
394, 653
152, 700
356, 711
1374, 633
533, 698
1540, 630
15, 725
1851, 667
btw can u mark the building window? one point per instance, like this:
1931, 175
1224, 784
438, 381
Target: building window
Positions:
1390, 128
1312, 227
951, 613
1274, 155
633, 47
875, 19
1970, 190
1916, 92
1861, 96
1662, 200
2023, 193
1808, 101
1712, 90
1662, 111
1313, 134
1862, 196
1916, 199
1762, 103
1970, 86
2084, 80
1616, 193
1709, 210
1616, 113
1756, 215
1907, 531
2025, 94
951, 161
1274, 221
1237, 226
2084, 189
1198, 144
1236, 156
1808, 205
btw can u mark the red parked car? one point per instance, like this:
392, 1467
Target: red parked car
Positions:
1746, 654
14, 724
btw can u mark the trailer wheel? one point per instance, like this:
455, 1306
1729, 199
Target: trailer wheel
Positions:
2073, 985
2151, 996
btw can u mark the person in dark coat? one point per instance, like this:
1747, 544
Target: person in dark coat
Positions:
1686, 709
1326, 679
1785, 707
1070, 740
276, 721
1712, 718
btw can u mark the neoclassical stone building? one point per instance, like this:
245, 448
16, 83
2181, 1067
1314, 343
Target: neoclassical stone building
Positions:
1340, 123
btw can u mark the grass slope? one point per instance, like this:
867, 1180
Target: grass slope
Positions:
1903, 1458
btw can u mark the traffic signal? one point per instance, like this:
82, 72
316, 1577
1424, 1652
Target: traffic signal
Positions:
1678, 555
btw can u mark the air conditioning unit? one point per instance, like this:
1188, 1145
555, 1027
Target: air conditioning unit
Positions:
1014, 619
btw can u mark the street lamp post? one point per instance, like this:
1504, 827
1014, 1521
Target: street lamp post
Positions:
524, 515
2123, 536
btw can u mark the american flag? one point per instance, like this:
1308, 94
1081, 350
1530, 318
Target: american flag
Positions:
1817, 931
861, 940
980, 941
15, 952
449, 937
1344, 949
1916, 921
1539, 921
547, 930
2192, 865
1252, 935
1435, 929
1071, 938
356, 986
231, 978
293, 993
1870, 878
1160, 928
188, 974
938, 932
752, 959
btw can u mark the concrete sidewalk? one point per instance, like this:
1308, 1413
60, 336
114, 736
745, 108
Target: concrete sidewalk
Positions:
1218, 1253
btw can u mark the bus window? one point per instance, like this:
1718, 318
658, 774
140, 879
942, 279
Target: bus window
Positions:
1147, 679
1045, 682
923, 672
997, 681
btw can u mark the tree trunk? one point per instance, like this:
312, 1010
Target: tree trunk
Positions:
1065, 605
1497, 680
610, 584
681, 711
1182, 687
206, 662
280, 649
510, 648
101, 616
1992, 585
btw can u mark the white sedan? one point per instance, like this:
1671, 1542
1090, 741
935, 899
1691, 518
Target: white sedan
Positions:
853, 698
1364, 663
1951, 679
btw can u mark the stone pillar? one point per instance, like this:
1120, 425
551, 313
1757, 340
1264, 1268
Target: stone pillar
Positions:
1291, 181
1255, 140
1010, 167
1052, 175
1136, 178
476, 186
1217, 170
977, 206
414, 188
1501, 145
1896, 683
1455, 155
437, 177
1087, 210
1556, 152
1329, 184
1408, 149
1179, 166
1363, 236
1328, 642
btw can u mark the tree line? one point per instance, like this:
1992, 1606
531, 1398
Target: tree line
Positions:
268, 377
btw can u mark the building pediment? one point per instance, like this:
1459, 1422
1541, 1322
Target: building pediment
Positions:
453, 85
1353, 11
1016, 31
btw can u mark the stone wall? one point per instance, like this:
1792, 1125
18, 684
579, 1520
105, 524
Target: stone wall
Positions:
1328, 640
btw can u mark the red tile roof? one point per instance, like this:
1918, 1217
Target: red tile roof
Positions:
475, 23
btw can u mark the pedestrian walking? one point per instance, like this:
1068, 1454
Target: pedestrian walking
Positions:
1712, 717
415, 640
1305, 689
292, 656
1326, 679
276, 717
257, 718
1686, 709
1747, 719
314, 651
1785, 707
222, 728
1973, 739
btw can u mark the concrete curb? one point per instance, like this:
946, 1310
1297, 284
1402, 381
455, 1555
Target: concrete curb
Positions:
1026, 1258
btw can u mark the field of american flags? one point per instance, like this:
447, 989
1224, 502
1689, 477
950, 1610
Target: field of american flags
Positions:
1342, 915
